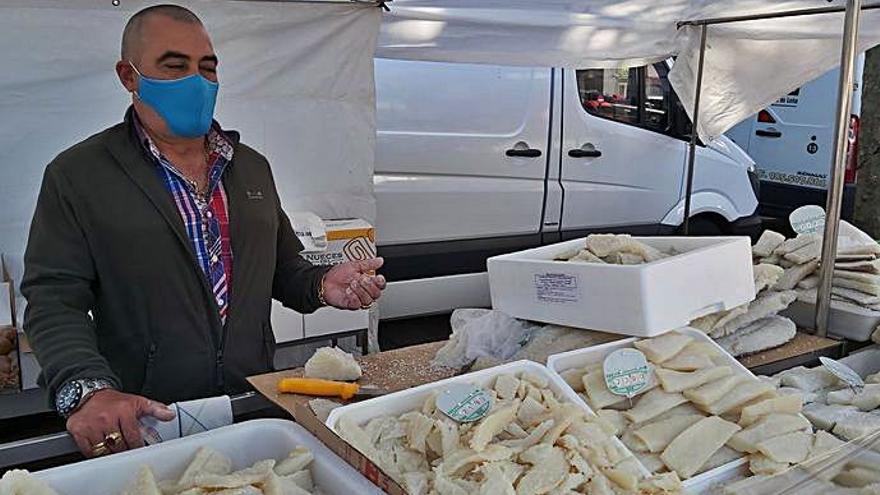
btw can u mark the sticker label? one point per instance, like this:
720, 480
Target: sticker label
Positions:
464, 403
807, 219
844, 373
626, 372
557, 288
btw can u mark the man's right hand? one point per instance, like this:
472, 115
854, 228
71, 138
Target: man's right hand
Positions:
109, 411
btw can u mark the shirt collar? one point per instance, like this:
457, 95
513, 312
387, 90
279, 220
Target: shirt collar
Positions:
218, 142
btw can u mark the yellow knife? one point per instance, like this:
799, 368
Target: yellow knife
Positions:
327, 388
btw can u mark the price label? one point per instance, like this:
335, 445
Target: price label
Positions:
807, 219
626, 372
844, 373
464, 403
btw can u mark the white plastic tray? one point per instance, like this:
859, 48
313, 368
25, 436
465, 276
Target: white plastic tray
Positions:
852, 323
581, 358
711, 274
244, 443
411, 399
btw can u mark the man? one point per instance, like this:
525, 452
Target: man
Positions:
157, 246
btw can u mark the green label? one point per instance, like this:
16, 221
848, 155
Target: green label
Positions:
464, 403
626, 372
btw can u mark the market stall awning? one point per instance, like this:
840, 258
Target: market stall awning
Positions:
748, 64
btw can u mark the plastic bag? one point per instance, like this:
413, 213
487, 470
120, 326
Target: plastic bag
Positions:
483, 333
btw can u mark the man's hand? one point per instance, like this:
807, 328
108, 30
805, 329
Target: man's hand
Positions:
109, 411
351, 285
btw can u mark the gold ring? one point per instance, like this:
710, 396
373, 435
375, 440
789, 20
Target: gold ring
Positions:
99, 449
112, 439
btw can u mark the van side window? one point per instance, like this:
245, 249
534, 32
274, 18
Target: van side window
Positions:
639, 96
610, 93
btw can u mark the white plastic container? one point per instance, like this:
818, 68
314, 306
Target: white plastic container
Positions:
412, 399
849, 322
244, 443
581, 358
711, 274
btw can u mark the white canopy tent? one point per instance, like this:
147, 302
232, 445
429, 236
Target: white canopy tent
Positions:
312, 58
748, 64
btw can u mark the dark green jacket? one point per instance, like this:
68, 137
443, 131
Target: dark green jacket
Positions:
107, 238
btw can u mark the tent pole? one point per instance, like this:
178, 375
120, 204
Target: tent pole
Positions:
692, 151
835, 189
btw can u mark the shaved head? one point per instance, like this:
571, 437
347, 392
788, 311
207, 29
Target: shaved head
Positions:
133, 34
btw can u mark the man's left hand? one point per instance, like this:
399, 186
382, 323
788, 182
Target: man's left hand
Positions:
354, 285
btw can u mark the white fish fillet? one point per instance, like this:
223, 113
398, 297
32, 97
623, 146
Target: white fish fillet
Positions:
679, 381
791, 447
653, 404
870, 266
695, 445
659, 349
767, 304
713, 391
826, 417
810, 252
766, 275
761, 335
792, 276
740, 395
770, 426
603, 245
795, 243
784, 404
657, 435
767, 243
866, 287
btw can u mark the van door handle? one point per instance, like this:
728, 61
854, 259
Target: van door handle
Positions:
768, 134
582, 153
528, 152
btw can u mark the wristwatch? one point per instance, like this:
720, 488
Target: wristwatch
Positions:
75, 393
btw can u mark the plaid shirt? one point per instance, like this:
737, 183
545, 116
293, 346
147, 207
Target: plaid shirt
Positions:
205, 217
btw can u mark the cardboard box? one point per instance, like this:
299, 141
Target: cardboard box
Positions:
711, 274
337, 241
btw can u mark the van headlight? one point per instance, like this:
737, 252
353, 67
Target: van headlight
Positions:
752, 169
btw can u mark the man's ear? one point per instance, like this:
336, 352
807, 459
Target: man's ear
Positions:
127, 76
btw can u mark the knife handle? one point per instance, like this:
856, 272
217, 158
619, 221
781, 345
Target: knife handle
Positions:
318, 388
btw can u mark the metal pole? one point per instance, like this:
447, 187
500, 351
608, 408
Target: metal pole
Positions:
692, 152
772, 15
835, 189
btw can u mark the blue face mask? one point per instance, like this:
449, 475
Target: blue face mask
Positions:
186, 104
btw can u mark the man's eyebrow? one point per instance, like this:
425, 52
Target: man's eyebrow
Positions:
171, 54
210, 58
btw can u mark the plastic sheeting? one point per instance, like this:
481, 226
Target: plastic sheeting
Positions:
748, 65
295, 79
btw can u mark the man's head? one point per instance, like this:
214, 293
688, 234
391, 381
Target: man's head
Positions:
163, 42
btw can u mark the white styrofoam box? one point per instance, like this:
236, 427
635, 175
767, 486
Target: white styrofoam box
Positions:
287, 324
398, 403
581, 358
244, 443
847, 321
6, 319
711, 274
327, 321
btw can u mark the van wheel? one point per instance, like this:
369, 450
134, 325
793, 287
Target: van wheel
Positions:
704, 225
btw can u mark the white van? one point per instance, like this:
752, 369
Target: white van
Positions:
792, 142
476, 160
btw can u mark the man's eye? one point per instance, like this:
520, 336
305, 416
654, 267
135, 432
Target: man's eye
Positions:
176, 67
212, 70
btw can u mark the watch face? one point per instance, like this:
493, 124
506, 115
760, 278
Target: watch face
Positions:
68, 397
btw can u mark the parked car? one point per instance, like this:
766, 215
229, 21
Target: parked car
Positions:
476, 160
